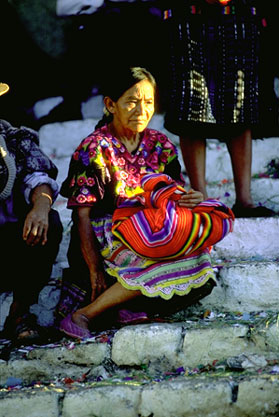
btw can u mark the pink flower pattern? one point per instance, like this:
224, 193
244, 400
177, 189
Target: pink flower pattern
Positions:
81, 180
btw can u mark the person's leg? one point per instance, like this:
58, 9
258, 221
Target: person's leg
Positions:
112, 297
78, 273
117, 294
194, 157
36, 263
240, 150
28, 269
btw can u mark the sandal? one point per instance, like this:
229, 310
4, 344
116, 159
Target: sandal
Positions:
131, 317
259, 211
70, 328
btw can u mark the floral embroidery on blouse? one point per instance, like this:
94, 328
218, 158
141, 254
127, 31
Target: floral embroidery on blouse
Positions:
101, 160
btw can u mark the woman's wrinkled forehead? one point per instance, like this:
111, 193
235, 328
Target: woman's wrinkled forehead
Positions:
120, 82
142, 89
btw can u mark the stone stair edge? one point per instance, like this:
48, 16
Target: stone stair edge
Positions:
67, 385
131, 390
215, 339
227, 396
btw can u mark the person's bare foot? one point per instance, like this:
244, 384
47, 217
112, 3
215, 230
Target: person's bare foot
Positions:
80, 319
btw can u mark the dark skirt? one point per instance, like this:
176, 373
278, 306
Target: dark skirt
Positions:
219, 80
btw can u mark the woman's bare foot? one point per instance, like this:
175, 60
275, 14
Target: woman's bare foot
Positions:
80, 319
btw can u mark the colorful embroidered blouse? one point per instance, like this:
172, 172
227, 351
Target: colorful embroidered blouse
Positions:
102, 172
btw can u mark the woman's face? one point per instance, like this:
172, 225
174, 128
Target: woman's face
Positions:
134, 109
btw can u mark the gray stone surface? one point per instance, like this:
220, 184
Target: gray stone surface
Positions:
258, 397
187, 398
37, 370
116, 401
136, 345
246, 286
251, 239
83, 354
162, 347
211, 396
31, 404
265, 192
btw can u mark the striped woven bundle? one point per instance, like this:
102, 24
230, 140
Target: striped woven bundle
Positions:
161, 229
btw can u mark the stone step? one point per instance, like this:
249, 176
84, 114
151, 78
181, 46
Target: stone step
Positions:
245, 286
264, 191
252, 238
187, 340
255, 395
214, 365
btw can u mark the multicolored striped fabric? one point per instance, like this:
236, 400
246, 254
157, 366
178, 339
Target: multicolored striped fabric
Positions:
157, 228
154, 278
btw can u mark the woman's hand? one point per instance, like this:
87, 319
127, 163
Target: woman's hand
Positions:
191, 199
36, 223
98, 283
36, 226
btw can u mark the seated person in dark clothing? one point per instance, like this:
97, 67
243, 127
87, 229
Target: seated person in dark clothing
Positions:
30, 230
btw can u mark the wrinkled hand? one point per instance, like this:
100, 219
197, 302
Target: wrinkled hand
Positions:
191, 199
36, 226
98, 283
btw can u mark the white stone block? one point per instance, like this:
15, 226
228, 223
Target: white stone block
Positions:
258, 397
136, 345
203, 346
251, 238
36, 405
195, 397
115, 401
247, 286
83, 354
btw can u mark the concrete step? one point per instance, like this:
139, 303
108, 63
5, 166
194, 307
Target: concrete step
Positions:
245, 286
182, 396
159, 346
211, 364
265, 192
253, 238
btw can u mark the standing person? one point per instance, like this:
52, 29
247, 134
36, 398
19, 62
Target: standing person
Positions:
30, 230
117, 172
220, 85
